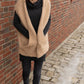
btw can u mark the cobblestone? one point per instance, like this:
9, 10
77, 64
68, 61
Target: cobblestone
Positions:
67, 61
45, 77
65, 65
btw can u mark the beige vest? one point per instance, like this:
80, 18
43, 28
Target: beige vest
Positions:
37, 44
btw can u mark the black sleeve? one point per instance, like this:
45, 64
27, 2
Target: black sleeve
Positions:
47, 26
19, 26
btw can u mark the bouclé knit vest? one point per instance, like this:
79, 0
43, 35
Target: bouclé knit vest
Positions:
37, 44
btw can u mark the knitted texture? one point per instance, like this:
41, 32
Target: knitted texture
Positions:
37, 44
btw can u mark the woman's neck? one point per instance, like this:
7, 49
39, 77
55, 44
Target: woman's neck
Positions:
33, 1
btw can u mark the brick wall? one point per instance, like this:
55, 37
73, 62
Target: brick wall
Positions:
66, 16
10, 68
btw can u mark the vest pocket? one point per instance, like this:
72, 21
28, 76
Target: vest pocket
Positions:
45, 38
22, 40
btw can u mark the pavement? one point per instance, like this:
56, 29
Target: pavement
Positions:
65, 65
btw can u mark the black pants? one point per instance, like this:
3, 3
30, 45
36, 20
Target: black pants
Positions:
26, 65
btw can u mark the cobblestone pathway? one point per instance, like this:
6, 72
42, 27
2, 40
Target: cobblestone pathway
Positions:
65, 65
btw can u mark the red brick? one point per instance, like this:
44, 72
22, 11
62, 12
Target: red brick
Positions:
0, 27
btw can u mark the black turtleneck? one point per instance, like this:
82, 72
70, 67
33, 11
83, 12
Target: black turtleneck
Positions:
34, 11
34, 5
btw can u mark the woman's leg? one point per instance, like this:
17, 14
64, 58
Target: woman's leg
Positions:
37, 71
26, 65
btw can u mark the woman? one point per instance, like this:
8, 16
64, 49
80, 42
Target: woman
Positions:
32, 20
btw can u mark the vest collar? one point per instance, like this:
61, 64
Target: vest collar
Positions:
43, 19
